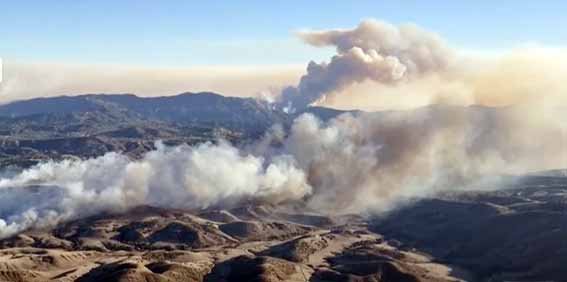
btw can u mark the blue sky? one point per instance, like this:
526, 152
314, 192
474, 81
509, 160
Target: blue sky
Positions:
188, 33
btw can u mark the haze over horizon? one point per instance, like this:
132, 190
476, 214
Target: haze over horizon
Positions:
153, 50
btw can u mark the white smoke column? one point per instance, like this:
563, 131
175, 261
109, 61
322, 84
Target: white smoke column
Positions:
179, 177
370, 162
375, 51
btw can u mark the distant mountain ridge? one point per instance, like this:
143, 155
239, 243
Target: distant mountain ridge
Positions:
92, 124
182, 108
185, 108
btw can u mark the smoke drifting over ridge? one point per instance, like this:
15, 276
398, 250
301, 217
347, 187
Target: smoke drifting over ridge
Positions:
375, 51
380, 66
354, 163
368, 162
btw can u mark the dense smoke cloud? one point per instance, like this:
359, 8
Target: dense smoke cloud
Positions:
182, 177
375, 51
528, 75
353, 163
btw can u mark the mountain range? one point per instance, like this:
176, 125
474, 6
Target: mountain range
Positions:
93, 124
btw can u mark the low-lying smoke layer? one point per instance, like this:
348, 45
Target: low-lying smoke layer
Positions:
55, 79
353, 163
375, 51
181, 177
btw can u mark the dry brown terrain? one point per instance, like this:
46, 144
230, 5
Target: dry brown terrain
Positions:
251, 243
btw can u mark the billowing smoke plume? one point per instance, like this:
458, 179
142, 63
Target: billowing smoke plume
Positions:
353, 163
182, 177
375, 51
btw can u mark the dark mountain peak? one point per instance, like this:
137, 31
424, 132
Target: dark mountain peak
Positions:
200, 94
